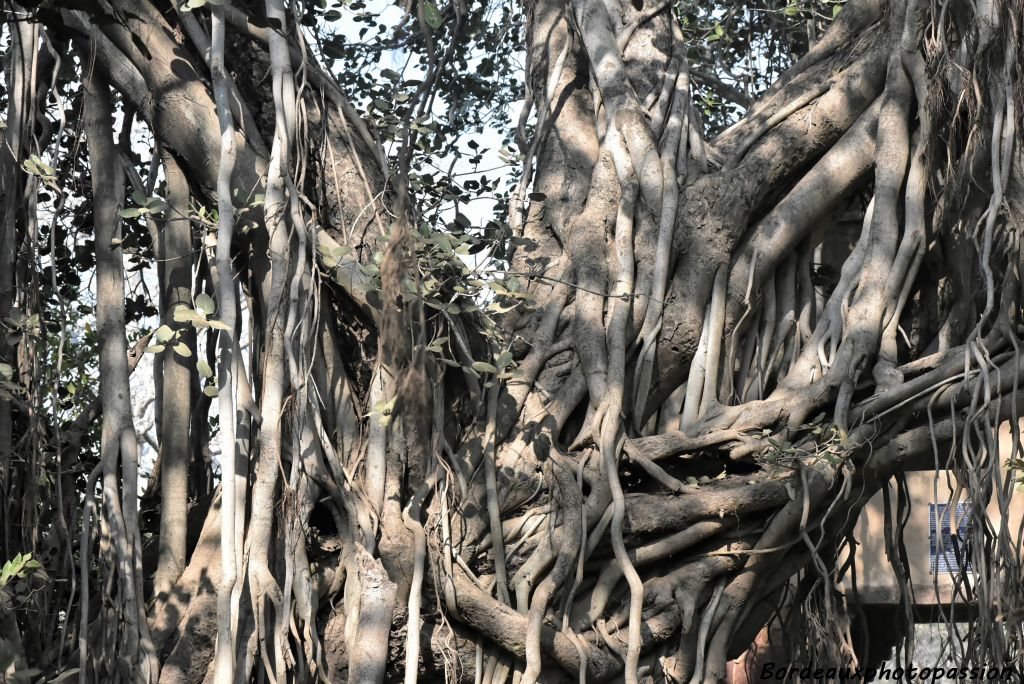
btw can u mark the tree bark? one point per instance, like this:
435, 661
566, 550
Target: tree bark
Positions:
177, 381
118, 441
629, 476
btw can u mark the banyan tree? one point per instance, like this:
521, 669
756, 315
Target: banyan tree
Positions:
745, 265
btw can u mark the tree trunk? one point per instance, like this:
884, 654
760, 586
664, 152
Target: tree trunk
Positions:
657, 436
175, 253
119, 486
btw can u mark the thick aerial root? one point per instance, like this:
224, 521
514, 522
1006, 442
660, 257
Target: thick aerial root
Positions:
370, 605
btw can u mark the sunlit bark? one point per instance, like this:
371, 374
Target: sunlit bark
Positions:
562, 518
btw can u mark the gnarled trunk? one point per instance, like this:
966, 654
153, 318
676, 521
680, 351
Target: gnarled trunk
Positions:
662, 441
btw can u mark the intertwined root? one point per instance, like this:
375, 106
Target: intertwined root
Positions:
713, 382
773, 349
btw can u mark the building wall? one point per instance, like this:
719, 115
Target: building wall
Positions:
875, 578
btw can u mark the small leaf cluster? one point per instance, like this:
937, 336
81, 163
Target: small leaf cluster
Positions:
146, 205
43, 171
199, 318
19, 567
819, 440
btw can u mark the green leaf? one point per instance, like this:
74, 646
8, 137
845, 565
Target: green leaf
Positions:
181, 349
432, 16
205, 304
154, 349
163, 333
6, 371
37, 167
484, 367
332, 254
219, 325
790, 10
436, 345
210, 391
131, 213
836, 10
204, 368
157, 205
383, 410
501, 308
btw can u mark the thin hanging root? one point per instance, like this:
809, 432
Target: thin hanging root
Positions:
569, 535
544, 349
674, 143
716, 330
231, 533
792, 219
609, 440
785, 306
544, 121
658, 102
735, 387
702, 633
649, 553
84, 547
412, 643
262, 582
695, 379
490, 457
581, 559
830, 321
411, 517
594, 538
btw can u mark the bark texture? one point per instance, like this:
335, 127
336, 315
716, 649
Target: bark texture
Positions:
721, 348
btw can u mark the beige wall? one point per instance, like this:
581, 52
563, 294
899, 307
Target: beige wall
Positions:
875, 579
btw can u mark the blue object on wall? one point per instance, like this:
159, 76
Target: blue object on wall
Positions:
950, 552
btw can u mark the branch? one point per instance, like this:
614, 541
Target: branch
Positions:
727, 91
